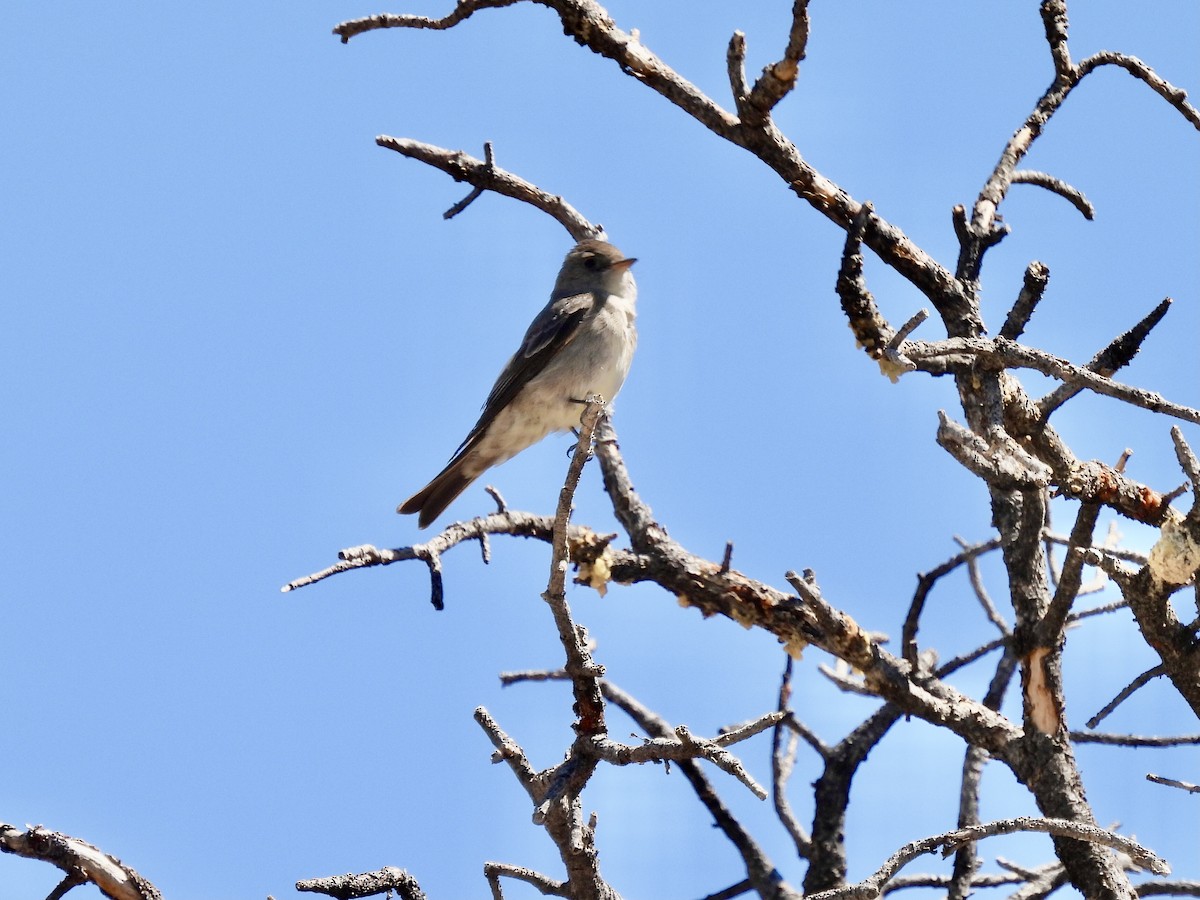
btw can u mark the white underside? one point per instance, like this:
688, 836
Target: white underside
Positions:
595, 362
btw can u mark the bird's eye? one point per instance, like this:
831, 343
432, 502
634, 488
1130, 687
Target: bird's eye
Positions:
591, 263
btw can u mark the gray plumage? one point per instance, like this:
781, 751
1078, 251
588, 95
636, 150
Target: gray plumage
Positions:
581, 343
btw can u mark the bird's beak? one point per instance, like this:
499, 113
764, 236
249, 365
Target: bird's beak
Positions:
624, 264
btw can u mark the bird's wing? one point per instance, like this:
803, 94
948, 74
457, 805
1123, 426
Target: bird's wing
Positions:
554, 328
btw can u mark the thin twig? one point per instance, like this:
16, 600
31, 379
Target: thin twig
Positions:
548, 886
1125, 693
687, 746
1171, 782
1118, 354
1134, 740
1072, 195
783, 761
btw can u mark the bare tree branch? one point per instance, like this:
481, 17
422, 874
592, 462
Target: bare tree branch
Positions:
783, 760
492, 871
1072, 195
485, 175
1010, 354
1134, 740
1116, 355
1005, 440
1171, 782
350, 887
873, 886
82, 862
1037, 276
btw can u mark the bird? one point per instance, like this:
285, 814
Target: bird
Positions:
581, 343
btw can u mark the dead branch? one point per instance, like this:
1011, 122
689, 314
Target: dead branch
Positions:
873, 886
484, 175
350, 887
82, 862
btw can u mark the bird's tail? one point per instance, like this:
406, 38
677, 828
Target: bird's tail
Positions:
432, 500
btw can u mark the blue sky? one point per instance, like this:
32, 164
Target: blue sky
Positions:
237, 333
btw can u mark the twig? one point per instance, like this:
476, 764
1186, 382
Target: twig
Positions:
778, 78
783, 760
1118, 354
1171, 782
1168, 889
687, 746
494, 493
509, 751
586, 544
1127, 555
980, 589
1175, 96
989, 879
68, 884
1054, 620
489, 158
462, 11
1072, 195
349, 887
1125, 693
915, 321
548, 886
1189, 463
1054, 19
727, 559
966, 858
1134, 740
734, 890
1037, 276
762, 872
952, 665
925, 583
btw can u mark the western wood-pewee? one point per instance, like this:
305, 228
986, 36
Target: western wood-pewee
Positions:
581, 343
